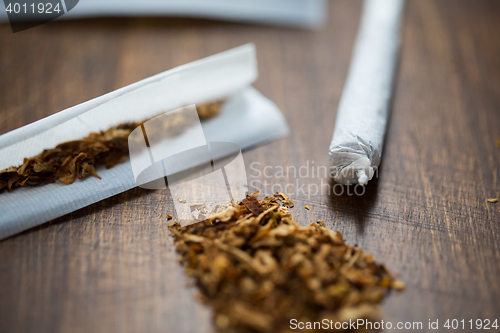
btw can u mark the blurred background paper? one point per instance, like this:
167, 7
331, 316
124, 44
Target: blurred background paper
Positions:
297, 13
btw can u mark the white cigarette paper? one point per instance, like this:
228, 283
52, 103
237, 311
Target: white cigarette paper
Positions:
296, 13
246, 119
358, 138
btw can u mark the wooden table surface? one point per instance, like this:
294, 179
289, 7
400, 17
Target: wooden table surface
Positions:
111, 267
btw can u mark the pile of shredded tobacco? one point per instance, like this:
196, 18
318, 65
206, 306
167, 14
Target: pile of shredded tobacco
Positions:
77, 159
258, 269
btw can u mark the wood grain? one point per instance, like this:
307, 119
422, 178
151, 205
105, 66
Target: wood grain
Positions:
111, 266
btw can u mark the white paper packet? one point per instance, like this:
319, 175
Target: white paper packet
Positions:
363, 112
298, 13
247, 119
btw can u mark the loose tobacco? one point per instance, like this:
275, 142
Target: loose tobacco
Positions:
260, 270
78, 159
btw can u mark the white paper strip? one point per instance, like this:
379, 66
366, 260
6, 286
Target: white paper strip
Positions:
358, 138
247, 119
300, 13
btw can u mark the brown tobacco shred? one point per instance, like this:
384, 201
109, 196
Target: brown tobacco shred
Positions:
287, 202
208, 110
253, 205
77, 159
259, 272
